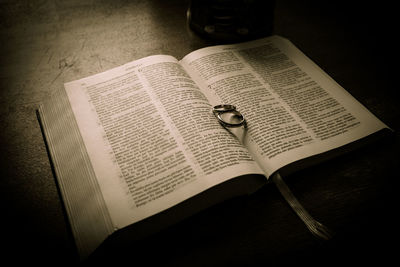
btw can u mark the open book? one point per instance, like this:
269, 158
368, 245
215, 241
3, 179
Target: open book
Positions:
137, 147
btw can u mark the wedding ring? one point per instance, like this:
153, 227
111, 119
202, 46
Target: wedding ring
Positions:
228, 116
223, 108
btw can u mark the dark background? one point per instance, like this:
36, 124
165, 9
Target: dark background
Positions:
46, 43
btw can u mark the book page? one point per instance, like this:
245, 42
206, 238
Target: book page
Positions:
152, 138
83, 201
293, 109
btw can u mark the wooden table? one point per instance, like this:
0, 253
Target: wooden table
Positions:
47, 43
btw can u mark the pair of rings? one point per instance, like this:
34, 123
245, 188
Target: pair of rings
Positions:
228, 116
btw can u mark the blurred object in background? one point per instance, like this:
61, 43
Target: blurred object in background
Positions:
231, 20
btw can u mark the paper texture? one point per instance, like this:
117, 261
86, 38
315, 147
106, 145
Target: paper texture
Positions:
151, 137
293, 109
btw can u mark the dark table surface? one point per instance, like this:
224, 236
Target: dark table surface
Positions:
46, 43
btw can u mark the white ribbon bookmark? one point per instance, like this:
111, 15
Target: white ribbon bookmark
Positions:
316, 228
229, 118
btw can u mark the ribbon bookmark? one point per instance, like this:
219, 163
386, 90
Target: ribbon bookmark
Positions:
316, 228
